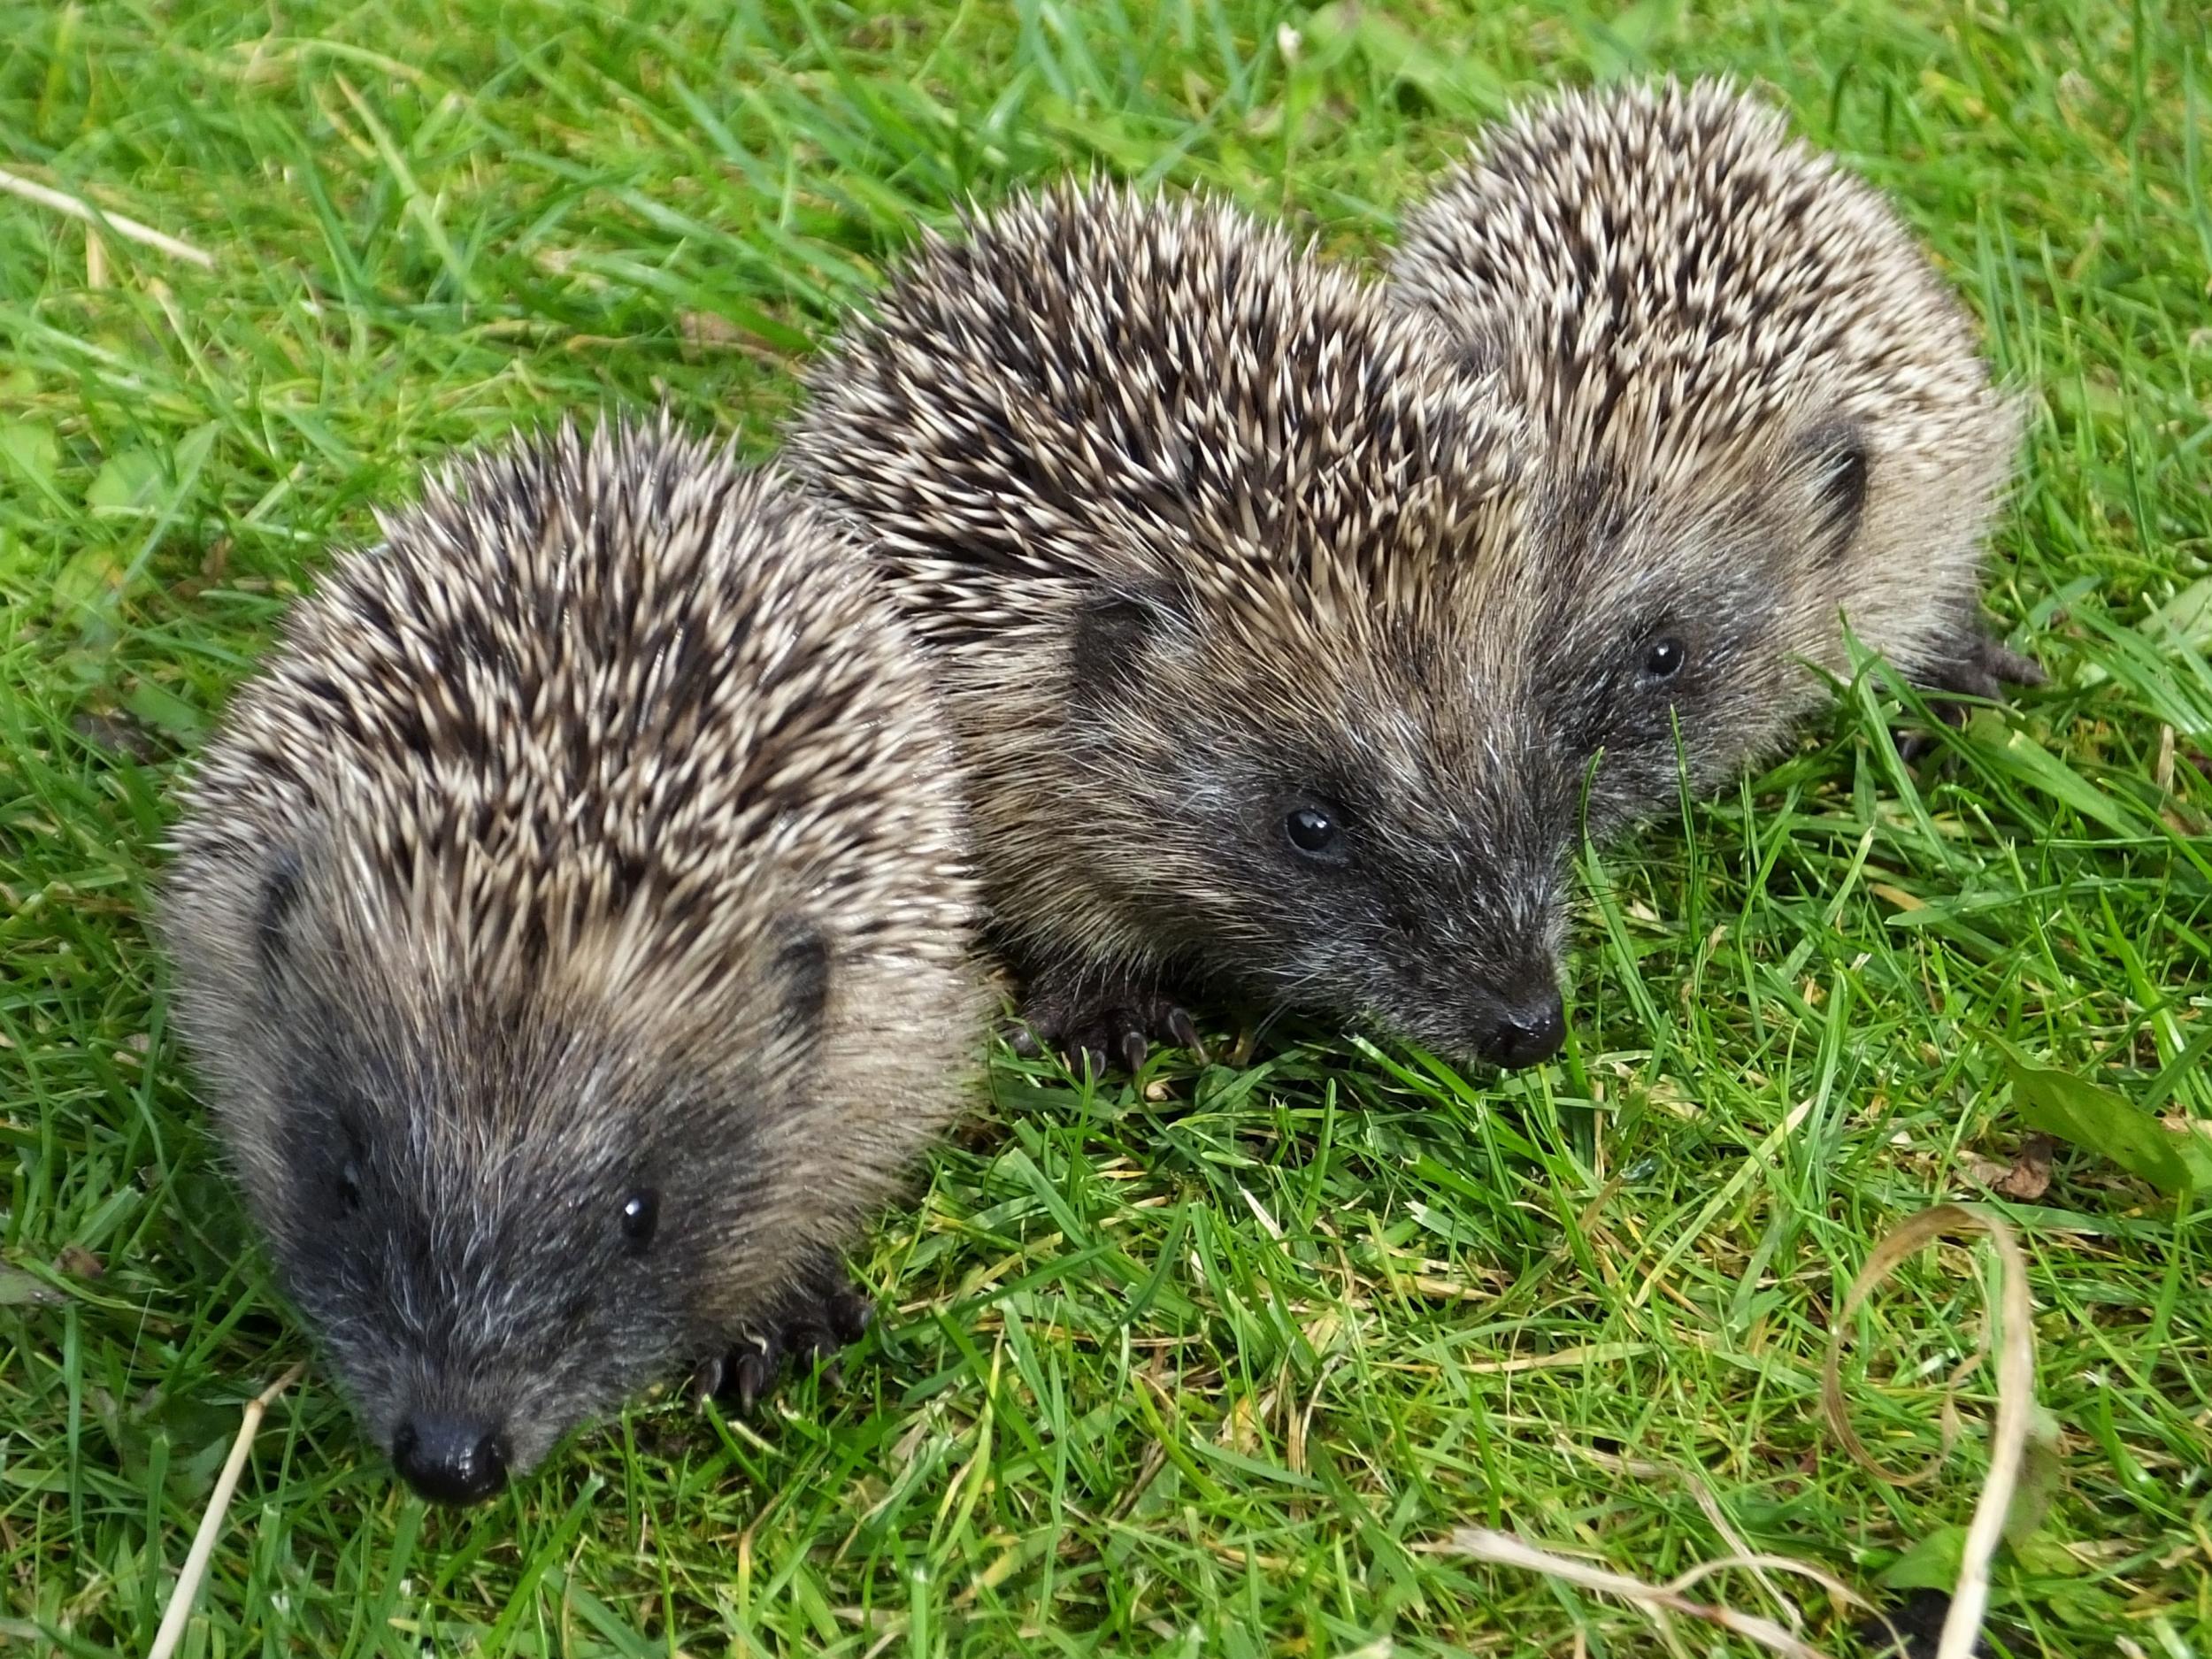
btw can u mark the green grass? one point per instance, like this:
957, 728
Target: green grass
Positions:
1207, 1365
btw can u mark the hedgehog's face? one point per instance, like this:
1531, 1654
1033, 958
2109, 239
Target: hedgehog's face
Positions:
484, 1276
502, 1217
1663, 634
1320, 822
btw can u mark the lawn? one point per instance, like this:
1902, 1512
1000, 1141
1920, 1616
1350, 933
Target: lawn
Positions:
1214, 1363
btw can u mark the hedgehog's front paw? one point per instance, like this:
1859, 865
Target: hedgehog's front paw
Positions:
826, 1313
1983, 666
1088, 1018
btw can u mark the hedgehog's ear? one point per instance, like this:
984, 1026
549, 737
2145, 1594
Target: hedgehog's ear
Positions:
1479, 352
1837, 466
801, 967
1114, 625
279, 898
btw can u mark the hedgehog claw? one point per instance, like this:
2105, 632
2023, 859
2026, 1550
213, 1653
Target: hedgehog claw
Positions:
848, 1314
709, 1379
753, 1374
1088, 1021
1133, 1048
2011, 667
1912, 747
1180, 1027
820, 1319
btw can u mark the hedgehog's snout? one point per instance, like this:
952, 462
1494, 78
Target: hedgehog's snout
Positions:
1506, 1011
453, 1458
1494, 981
1529, 1024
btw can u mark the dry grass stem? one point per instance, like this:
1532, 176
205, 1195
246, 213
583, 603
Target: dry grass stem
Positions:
2015, 1400
1508, 1551
130, 229
2015, 1397
194, 1569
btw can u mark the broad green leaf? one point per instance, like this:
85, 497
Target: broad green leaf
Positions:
2105, 1122
19, 1289
1627, 42
2186, 617
157, 706
28, 451
89, 580
1931, 1564
1446, 82
125, 482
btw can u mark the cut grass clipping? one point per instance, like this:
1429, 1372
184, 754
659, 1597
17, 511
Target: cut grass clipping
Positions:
2008, 1449
130, 229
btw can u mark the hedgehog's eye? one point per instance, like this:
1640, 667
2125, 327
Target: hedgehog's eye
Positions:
641, 1215
1664, 657
1315, 831
350, 1186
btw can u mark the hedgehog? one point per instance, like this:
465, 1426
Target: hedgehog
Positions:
1766, 422
573, 926
1195, 526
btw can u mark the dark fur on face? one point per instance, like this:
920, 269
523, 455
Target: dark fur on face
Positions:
1320, 824
1660, 641
570, 924
1376, 814
513, 1207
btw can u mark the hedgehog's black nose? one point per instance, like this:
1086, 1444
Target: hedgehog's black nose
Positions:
448, 1460
1526, 1031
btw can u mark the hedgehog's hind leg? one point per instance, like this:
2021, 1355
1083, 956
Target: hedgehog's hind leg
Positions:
1981, 668
1089, 1016
823, 1312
